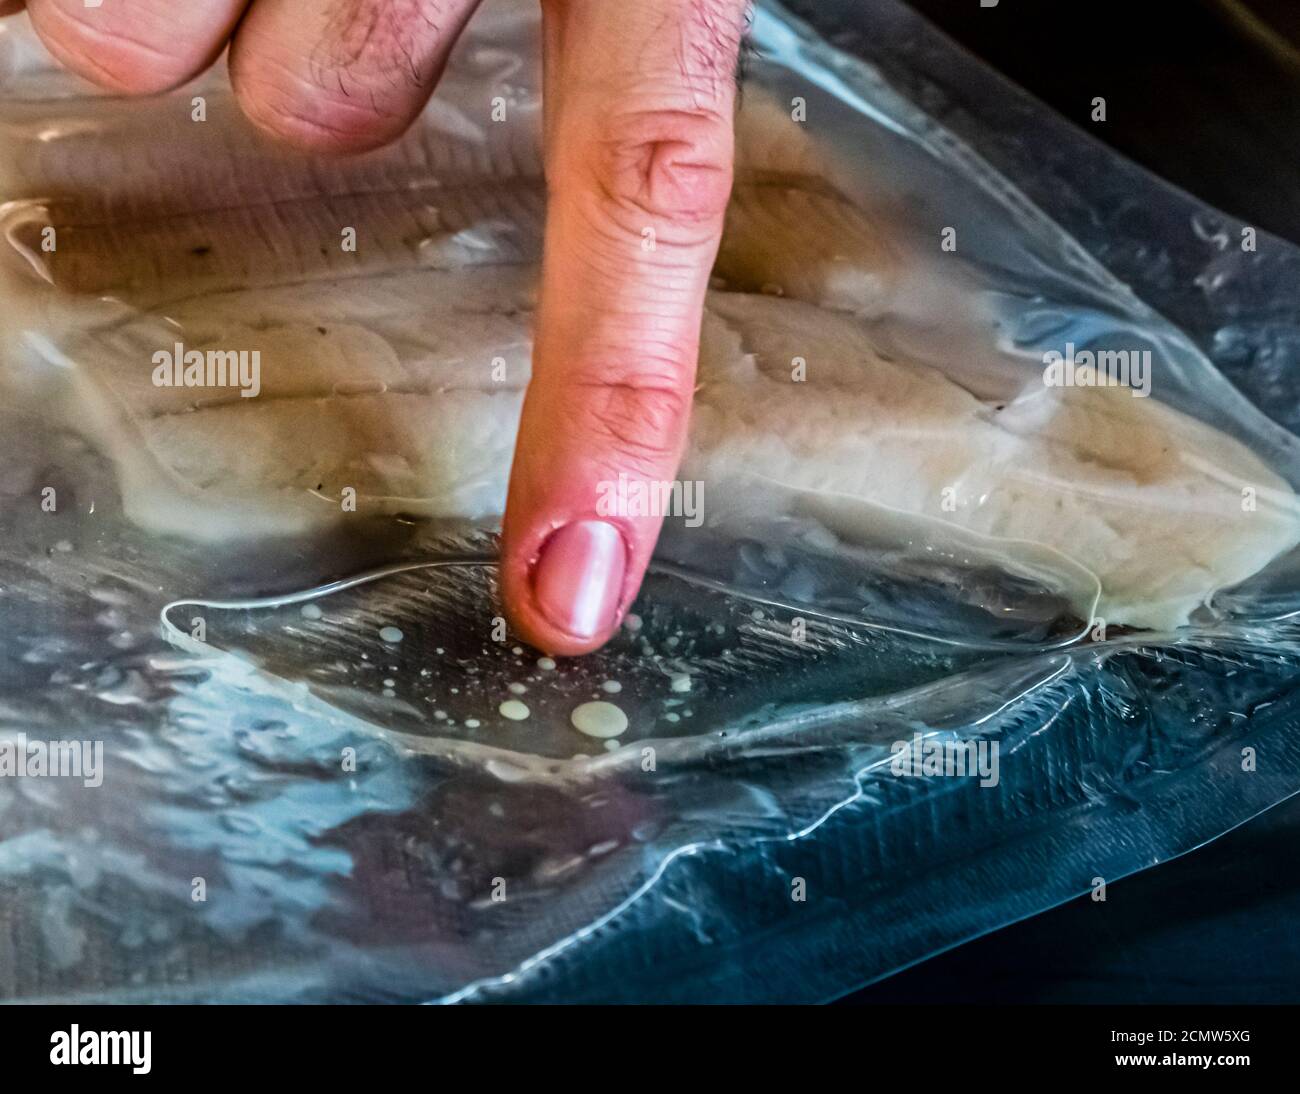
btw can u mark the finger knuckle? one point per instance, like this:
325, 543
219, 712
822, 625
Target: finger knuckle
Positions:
398, 41
110, 53
639, 420
664, 166
305, 114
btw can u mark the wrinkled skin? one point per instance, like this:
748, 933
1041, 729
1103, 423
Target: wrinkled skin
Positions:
639, 145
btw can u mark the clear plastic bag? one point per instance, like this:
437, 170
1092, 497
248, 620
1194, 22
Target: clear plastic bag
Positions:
333, 760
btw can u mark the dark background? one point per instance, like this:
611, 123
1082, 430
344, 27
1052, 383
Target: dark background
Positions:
1206, 94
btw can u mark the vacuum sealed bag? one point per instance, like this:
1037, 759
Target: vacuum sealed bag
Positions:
978, 595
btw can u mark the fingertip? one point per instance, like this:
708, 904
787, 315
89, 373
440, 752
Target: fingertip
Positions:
566, 590
540, 634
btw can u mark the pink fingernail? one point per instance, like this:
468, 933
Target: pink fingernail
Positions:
579, 577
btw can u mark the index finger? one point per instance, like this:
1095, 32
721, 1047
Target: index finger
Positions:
639, 143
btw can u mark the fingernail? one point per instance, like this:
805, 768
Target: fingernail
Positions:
579, 577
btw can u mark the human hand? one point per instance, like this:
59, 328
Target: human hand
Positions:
638, 102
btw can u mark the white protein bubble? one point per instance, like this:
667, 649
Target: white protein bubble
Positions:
611, 686
310, 611
514, 710
545, 664
390, 634
680, 682
599, 719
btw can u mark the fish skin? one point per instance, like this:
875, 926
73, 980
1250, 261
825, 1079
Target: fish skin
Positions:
397, 369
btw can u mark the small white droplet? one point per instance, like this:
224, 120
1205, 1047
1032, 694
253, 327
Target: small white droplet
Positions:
472, 723
517, 689
599, 719
390, 634
680, 682
514, 710
546, 664
632, 622
310, 611
611, 686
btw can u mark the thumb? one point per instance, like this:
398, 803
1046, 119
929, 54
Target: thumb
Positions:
639, 146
